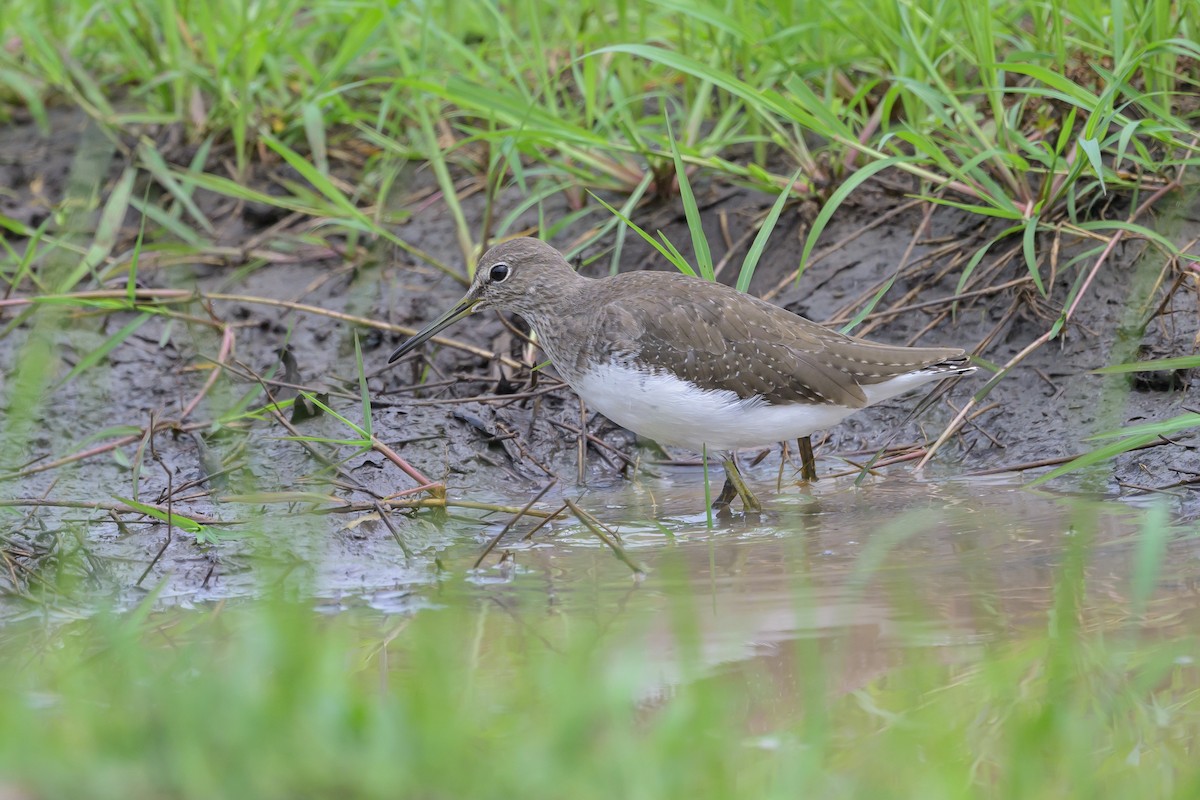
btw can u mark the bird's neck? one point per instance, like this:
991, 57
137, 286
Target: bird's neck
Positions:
560, 317
561, 296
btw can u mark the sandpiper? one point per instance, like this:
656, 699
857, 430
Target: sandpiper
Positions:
691, 363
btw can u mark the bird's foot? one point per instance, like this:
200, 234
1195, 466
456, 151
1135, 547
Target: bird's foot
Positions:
735, 486
808, 461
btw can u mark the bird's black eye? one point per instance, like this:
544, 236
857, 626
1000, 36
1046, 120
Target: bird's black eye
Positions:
499, 272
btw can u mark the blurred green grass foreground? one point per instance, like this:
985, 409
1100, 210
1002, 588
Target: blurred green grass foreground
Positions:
476, 699
1030, 112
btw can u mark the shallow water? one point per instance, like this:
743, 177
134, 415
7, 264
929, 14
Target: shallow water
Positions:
892, 565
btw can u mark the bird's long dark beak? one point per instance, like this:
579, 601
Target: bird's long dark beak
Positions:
464, 307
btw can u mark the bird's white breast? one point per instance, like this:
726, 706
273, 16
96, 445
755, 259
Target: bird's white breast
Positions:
671, 411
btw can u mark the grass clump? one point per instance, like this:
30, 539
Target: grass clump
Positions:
1028, 113
1017, 110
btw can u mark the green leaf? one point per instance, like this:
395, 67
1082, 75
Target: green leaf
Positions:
107, 230
974, 208
170, 223
362, 388
1138, 230
322, 183
314, 132
1091, 148
1029, 248
30, 94
1162, 427
179, 521
671, 255
1064, 133
1179, 362
834, 202
738, 88
1148, 555
1134, 437
1073, 91
1123, 139
979, 254
1097, 456
95, 356
750, 263
870, 306
704, 262
362, 432
156, 166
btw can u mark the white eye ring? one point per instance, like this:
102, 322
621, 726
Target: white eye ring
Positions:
499, 272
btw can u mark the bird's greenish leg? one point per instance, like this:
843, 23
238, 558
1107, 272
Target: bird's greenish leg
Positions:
736, 485
808, 461
728, 492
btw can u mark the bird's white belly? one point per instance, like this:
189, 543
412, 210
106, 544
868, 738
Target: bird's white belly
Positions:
670, 411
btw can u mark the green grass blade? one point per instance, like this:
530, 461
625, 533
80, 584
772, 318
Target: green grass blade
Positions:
1156, 365
1095, 457
319, 181
97, 355
835, 201
862, 313
978, 255
169, 223
131, 278
1164, 427
1070, 90
437, 160
107, 230
314, 133
750, 263
178, 520
1091, 149
156, 166
691, 210
672, 255
1163, 242
362, 388
1148, 556
362, 432
1029, 249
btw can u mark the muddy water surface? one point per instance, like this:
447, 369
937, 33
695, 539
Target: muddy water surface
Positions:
883, 568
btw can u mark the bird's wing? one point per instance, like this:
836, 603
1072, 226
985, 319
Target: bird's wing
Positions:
732, 341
